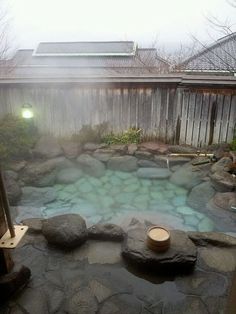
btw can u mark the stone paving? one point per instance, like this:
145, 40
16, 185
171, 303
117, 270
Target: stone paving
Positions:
93, 278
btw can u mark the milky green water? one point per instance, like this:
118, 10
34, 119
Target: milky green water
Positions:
119, 196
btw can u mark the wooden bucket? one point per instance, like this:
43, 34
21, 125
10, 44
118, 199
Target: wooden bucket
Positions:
158, 239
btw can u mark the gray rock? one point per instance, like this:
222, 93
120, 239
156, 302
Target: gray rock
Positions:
43, 173
225, 200
179, 149
17, 165
37, 196
223, 181
103, 154
217, 259
188, 305
68, 175
109, 232
46, 180
132, 148
203, 283
154, 147
121, 303
65, 231
123, 163
93, 146
82, 302
120, 149
100, 291
188, 176
10, 175
222, 165
212, 238
200, 195
153, 173
34, 224
99, 252
91, 165
147, 163
33, 299
181, 255
142, 154
71, 149
48, 147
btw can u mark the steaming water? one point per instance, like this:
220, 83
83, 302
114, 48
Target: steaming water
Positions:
118, 197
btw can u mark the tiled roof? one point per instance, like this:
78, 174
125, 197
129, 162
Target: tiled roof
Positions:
26, 63
85, 48
218, 57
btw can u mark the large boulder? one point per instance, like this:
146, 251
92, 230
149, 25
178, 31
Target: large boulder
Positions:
182, 149
65, 231
181, 255
91, 165
188, 176
154, 147
212, 238
12, 187
119, 148
142, 154
200, 195
48, 147
103, 154
222, 165
147, 163
109, 232
34, 225
43, 174
93, 146
71, 149
132, 148
68, 175
123, 163
37, 196
153, 173
225, 200
223, 181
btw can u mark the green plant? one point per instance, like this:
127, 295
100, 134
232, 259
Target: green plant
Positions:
233, 144
132, 135
17, 137
90, 134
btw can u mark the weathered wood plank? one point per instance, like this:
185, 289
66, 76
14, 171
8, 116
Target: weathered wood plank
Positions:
184, 117
204, 120
225, 118
232, 120
197, 117
218, 120
190, 118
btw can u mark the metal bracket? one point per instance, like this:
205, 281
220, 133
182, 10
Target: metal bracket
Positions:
6, 242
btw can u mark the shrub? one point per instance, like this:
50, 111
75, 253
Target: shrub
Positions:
233, 144
90, 134
132, 135
17, 137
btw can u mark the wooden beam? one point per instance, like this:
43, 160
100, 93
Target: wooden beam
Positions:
6, 262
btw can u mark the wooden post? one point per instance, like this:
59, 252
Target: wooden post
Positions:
6, 263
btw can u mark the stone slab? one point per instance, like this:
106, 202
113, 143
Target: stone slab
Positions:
181, 255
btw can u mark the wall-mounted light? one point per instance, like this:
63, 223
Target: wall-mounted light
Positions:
27, 111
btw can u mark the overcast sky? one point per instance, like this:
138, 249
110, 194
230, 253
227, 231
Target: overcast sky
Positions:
143, 21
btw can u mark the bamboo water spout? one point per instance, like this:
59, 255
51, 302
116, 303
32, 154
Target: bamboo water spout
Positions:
209, 157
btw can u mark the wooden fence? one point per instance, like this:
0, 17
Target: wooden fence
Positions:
172, 114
